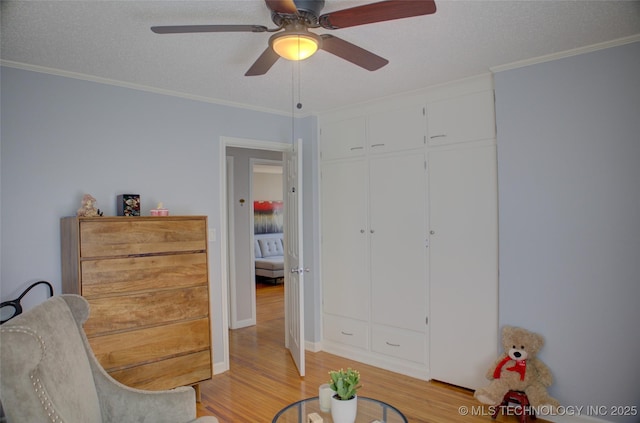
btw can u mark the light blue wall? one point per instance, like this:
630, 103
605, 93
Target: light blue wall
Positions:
569, 193
63, 137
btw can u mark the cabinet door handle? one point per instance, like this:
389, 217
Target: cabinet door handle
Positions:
438, 136
356, 148
346, 333
391, 345
377, 145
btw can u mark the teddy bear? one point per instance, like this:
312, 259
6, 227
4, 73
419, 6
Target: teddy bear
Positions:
87, 208
518, 369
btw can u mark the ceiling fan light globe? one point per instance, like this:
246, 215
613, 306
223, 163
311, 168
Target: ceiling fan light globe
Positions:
295, 46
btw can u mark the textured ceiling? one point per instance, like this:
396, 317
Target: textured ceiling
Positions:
112, 40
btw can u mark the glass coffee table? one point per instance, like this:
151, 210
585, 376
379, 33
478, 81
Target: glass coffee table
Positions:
369, 410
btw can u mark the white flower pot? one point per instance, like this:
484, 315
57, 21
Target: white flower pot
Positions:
344, 411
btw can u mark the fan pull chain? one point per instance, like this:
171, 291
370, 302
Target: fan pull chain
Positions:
299, 105
293, 96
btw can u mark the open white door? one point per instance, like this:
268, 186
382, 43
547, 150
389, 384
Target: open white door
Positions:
293, 264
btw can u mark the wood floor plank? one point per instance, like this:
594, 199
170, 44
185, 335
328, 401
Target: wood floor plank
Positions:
263, 379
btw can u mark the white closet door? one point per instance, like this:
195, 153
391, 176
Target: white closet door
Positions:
459, 119
464, 264
344, 138
398, 233
403, 128
345, 239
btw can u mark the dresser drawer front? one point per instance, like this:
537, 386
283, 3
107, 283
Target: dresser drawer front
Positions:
134, 274
139, 235
346, 331
146, 309
399, 343
127, 349
167, 374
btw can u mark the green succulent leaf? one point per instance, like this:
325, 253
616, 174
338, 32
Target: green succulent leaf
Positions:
345, 383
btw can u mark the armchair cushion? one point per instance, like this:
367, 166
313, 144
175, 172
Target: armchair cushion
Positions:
49, 374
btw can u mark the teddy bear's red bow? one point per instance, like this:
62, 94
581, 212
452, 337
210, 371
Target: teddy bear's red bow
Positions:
520, 367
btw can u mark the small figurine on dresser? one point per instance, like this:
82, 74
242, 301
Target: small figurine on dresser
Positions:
88, 208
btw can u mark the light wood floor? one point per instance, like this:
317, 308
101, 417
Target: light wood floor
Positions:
263, 379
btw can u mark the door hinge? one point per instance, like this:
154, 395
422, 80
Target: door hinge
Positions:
426, 320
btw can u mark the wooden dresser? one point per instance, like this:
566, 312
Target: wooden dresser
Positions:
146, 280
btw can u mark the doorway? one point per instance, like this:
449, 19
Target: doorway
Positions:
225, 216
267, 226
252, 175
293, 245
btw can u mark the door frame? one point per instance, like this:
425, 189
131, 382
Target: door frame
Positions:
223, 218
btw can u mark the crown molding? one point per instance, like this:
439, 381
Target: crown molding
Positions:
140, 87
568, 53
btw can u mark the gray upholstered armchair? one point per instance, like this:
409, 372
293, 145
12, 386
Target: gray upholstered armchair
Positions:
48, 373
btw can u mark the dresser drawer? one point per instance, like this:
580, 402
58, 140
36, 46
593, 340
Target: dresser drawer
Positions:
120, 276
399, 343
146, 309
109, 237
346, 331
167, 374
127, 349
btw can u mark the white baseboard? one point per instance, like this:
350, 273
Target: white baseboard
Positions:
404, 367
312, 346
220, 367
243, 324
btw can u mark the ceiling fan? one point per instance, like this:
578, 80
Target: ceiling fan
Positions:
292, 39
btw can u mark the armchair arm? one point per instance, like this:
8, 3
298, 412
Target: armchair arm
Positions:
122, 404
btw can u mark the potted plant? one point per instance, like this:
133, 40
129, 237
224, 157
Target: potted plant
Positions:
344, 405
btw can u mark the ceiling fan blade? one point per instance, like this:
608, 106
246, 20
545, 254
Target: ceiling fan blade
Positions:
261, 66
376, 12
352, 53
182, 29
282, 6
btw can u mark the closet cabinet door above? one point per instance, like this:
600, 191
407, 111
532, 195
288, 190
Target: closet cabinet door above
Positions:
344, 138
399, 129
465, 118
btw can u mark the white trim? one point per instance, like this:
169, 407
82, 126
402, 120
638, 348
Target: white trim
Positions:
139, 87
220, 368
567, 53
256, 144
313, 346
239, 324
